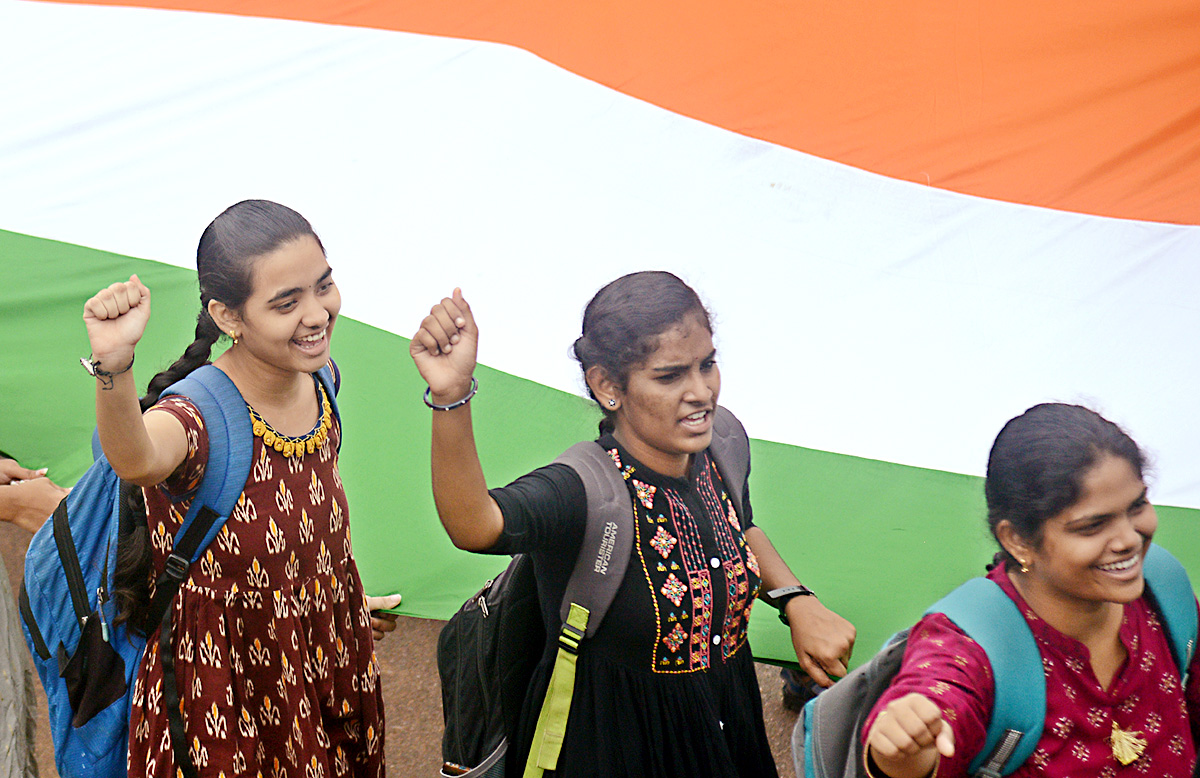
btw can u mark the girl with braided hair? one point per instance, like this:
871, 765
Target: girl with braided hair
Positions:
274, 658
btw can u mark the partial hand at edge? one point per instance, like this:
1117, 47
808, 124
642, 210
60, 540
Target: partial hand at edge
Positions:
11, 471
823, 640
29, 503
382, 623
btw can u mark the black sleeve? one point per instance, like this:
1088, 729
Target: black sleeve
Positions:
545, 510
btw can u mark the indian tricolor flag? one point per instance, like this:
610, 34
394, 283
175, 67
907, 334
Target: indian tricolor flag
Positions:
911, 220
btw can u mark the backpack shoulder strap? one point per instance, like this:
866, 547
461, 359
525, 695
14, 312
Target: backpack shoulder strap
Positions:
730, 448
1170, 591
230, 451
331, 379
982, 610
230, 455
599, 570
607, 538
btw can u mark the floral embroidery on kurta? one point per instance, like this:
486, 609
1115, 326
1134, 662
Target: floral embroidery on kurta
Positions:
681, 571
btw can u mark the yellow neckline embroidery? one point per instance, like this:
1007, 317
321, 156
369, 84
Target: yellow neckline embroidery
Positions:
297, 447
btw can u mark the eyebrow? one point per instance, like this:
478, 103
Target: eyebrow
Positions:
673, 368
1106, 516
296, 290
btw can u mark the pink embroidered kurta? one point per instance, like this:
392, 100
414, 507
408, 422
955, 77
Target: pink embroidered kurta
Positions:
275, 660
1145, 697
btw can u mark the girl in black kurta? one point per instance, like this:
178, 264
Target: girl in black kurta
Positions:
666, 686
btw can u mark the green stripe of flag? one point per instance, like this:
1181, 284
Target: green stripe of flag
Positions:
878, 541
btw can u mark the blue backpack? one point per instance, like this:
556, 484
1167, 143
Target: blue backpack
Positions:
827, 740
87, 665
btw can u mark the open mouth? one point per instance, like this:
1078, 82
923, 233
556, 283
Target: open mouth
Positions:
1121, 567
697, 419
311, 342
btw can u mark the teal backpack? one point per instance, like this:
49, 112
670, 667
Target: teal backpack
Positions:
827, 739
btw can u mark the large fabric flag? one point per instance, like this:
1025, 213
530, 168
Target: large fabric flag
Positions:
911, 222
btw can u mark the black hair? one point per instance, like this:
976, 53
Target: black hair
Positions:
225, 262
622, 322
1039, 460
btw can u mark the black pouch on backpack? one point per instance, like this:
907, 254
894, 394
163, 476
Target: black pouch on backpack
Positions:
94, 674
501, 628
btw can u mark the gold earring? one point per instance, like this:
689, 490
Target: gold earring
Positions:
1024, 568
233, 336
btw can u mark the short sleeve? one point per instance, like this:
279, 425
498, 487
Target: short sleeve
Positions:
545, 510
946, 666
190, 472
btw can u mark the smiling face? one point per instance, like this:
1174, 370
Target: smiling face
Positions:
664, 413
288, 318
1092, 552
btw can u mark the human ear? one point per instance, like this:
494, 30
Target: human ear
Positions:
1012, 541
606, 390
226, 318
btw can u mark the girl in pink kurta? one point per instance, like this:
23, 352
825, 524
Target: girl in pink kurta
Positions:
272, 640
1067, 503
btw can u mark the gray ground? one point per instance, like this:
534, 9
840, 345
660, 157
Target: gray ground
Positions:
410, 688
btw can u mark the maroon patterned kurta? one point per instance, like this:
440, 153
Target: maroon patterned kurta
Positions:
1144, 697
275, 660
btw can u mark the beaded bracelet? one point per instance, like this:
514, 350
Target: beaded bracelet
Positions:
457, 404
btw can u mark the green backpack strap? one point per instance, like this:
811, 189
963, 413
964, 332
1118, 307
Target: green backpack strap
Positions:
1170, 590
599, 570
982, 610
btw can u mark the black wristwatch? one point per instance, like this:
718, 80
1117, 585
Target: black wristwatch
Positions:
778, 598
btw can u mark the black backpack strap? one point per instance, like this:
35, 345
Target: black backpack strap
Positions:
730, 448
164, 594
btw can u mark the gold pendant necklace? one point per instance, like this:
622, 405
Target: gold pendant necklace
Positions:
1126, 746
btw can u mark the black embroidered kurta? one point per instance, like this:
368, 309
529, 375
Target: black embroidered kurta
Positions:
666, 687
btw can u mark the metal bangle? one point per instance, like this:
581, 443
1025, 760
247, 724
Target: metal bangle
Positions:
458, 403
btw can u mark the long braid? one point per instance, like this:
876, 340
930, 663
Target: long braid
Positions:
195, 355
131, 577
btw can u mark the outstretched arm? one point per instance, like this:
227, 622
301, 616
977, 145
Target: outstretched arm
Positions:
823, 640
444, 351
142, 450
